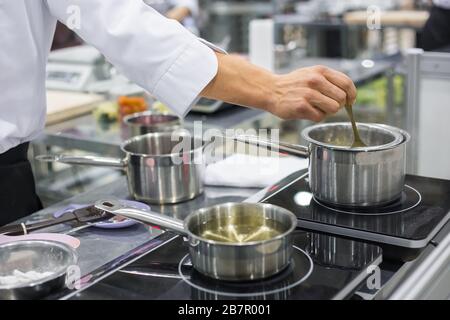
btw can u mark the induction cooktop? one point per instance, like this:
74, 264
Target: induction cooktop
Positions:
322, 267
410, 222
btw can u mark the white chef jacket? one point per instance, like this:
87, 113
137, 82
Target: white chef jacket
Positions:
158, 54
163, 6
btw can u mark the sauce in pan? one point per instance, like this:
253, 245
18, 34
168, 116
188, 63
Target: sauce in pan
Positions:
240, 233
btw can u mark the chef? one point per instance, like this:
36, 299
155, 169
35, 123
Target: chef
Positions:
436, 32
184, 11
157, 53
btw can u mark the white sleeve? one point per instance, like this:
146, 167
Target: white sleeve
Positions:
158, 54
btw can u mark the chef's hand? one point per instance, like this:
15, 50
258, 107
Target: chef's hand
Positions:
178, 13
309, 93
312, 93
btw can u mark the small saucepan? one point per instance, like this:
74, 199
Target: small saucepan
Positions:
148, 122
350, 177
232, 241
159, 170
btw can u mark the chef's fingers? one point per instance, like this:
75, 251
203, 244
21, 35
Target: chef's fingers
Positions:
342, 81
334, 92
322, 102
308, 111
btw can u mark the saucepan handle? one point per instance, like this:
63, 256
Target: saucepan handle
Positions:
84, 160
116, 208
289, 148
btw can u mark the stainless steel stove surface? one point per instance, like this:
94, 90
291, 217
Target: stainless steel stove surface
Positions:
322, 267
411, 222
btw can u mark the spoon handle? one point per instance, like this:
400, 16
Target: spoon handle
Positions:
357, 142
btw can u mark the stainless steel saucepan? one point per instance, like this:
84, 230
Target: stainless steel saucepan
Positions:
161, 167
352, 177
148, 122
232, 241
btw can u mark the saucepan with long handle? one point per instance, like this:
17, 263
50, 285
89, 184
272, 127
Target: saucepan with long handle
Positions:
161, 167
232, 241
342, 175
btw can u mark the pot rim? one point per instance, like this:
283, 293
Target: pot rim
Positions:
174, 123
73, 258
181, 133
400, 137
243, 244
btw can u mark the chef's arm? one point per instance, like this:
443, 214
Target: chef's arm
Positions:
167, 60
183, 9
309, 93
178, 13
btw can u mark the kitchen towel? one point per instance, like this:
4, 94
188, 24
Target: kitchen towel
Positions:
245, 171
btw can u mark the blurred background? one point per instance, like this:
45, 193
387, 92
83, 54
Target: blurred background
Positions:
396, 51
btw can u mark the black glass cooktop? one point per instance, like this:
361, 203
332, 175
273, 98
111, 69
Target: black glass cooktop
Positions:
322, 267
410, 222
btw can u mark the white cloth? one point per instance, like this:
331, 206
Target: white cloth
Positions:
158, 54
245, 171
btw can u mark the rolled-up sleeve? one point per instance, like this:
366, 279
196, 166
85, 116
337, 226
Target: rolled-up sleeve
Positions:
158, 54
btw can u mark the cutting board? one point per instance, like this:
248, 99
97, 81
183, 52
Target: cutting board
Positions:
62, 105
410, 18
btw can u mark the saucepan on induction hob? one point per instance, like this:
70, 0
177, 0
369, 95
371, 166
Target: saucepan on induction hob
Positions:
232, 241
156, 173
350, 177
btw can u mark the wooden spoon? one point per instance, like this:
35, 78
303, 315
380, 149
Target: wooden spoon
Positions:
357, 142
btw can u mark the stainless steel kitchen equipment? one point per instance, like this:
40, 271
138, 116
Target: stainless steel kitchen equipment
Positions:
149, 122
340, 175
46, 258
155, 173
427, 113
251, 241
366, 176
344, 176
